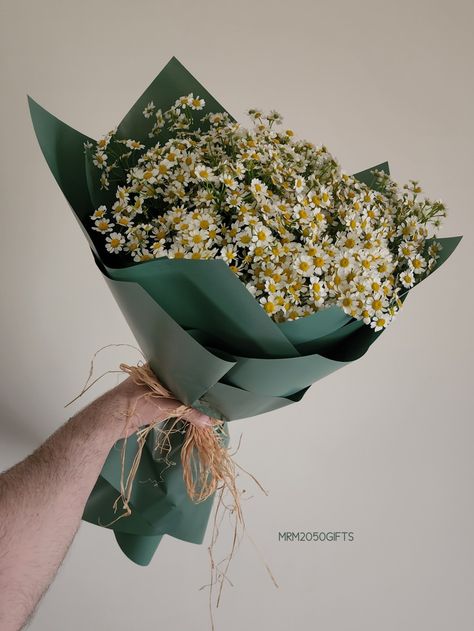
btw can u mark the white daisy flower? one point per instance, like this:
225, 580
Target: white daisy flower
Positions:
269, 304
197, 103
406, 249
158, 248
198, 237
407, 278
434, 249
376, 304
148, 111
228, 180
304, 265
176, 251
134, 144
114, 242
100, 159
325, 195
216, 118
348, 301
244, 238
300, 184
320, 261
417, 264
99, 212
258, 188
304, 214
132, 246
204, 173
229, 254
344, 262
123, 221
143, 255
184, 101
274, 117
261, 235
379, 322
103, 225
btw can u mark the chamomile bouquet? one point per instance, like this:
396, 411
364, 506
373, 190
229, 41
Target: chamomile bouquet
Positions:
248, 265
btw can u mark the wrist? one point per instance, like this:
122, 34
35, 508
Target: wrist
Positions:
120, 411
101, 422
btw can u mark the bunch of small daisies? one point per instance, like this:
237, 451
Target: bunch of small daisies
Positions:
301, 234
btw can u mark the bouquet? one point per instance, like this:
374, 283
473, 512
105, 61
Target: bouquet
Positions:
248, 265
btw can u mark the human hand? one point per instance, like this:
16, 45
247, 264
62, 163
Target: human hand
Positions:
131, 406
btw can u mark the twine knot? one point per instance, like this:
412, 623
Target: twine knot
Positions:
205, 459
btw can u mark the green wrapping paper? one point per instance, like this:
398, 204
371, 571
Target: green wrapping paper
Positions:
204, 335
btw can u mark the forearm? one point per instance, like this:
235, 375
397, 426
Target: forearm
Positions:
41, 504
43, 497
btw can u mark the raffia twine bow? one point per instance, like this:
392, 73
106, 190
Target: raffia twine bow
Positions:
207, 463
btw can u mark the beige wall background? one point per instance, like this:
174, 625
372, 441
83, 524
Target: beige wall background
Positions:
382, 448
